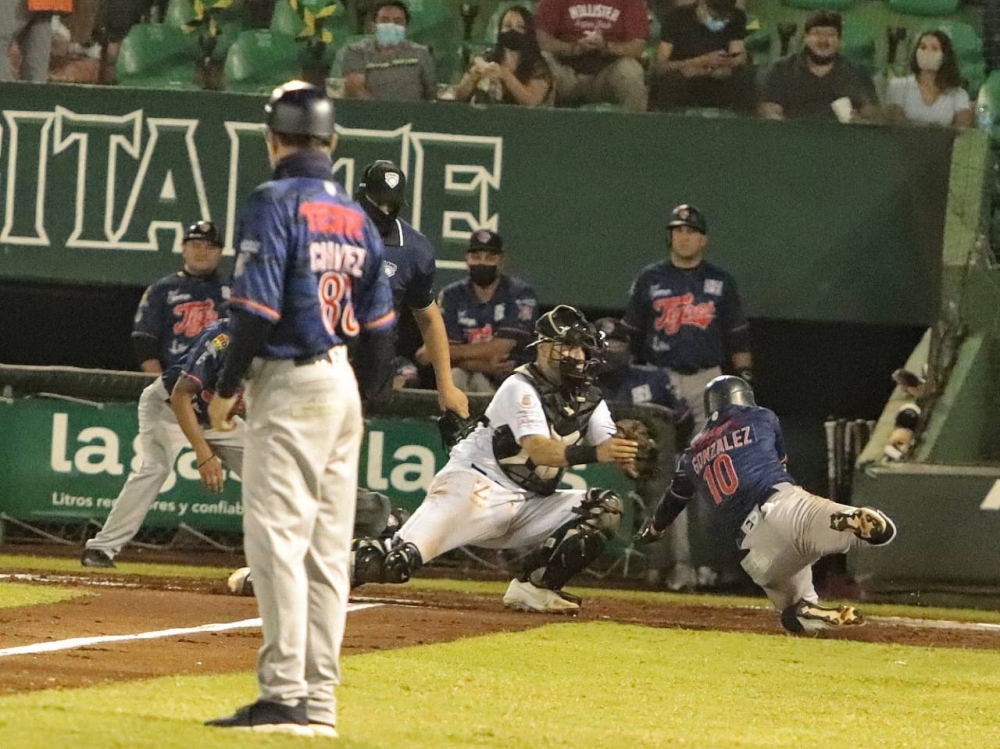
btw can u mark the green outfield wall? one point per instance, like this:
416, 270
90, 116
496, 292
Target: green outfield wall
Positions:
818, 222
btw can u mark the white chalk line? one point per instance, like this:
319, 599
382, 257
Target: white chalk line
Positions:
903, 621
83, 642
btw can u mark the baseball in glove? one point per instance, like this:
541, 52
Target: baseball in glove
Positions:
645, 464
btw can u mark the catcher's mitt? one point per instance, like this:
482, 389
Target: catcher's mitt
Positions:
645, 464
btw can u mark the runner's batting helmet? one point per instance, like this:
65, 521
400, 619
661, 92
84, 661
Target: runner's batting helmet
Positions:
725, 390
687, 215
299, 108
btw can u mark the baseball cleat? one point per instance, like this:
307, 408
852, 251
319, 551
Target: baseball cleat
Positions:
873, 526
96, 558
529, 597
264, 716
323, 730
806, 617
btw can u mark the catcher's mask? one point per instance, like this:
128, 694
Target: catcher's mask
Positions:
577, 347
725, 390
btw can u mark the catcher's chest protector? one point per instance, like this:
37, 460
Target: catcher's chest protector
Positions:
567, 414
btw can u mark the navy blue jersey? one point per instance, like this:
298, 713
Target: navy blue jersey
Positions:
202, 366
511, 313
409, 265
310, 261
735, 461
176, 309
640, 384
688, 319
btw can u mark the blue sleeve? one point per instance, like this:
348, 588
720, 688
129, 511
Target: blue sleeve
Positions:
449, 311
371, 294
637, 313
520, 314
779, 440
206, 360
262, 242
420, 290
734, 323
149, 317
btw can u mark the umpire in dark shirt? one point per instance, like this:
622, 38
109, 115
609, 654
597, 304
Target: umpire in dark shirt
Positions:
409, 264
806, 84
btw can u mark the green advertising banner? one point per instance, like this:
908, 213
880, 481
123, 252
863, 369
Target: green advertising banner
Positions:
817, 222
949, 527
66, 461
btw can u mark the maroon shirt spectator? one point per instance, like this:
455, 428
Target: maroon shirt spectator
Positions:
594, 50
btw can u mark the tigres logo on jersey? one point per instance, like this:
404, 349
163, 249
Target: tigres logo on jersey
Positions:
676, 311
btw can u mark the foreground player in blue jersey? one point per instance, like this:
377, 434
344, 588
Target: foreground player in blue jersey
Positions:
736, 463
308, 280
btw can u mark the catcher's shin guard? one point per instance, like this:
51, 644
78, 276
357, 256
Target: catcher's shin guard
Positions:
402, 562
576, 543
367, 561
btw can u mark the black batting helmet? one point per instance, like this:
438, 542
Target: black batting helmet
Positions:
613, 329
204, 230
383, 183
687, 215
726, 390
299, 108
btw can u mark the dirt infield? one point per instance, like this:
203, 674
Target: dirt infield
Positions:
405, 617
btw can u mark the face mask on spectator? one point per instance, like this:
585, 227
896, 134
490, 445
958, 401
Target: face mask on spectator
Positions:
929, 59
389, 34
483, 275
714, 24
513, 39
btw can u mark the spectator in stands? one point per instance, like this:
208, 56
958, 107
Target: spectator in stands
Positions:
513, 72
31, 28
389, 66
932, 93
806, 84
490, 317
702, 59
594, 50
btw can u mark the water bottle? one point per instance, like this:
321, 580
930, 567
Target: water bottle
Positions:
984, 117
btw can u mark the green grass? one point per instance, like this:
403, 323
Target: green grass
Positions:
146, 569
13, 595
572, 685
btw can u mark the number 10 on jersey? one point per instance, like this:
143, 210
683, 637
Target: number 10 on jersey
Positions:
720, 475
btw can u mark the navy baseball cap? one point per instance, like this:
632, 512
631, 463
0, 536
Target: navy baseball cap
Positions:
484, 240
204, 230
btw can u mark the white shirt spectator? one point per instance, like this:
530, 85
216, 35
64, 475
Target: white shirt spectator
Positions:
905, 93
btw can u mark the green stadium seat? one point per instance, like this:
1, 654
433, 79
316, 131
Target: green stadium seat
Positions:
157, 56
179, 13
858, 43
261, 59
925, 7
286, 20
438, 24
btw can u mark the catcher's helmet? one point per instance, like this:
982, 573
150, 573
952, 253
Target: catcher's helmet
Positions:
687, 215
727, 390
299, 108
383, 183
203, 230
568, 329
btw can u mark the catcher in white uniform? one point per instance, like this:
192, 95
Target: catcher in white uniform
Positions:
500, 487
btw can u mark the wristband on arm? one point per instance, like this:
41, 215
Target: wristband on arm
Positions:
578, 454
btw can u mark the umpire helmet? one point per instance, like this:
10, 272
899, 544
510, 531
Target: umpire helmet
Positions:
299, 108
383, 183
568, 329
726, 390
687, 215
205, 231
